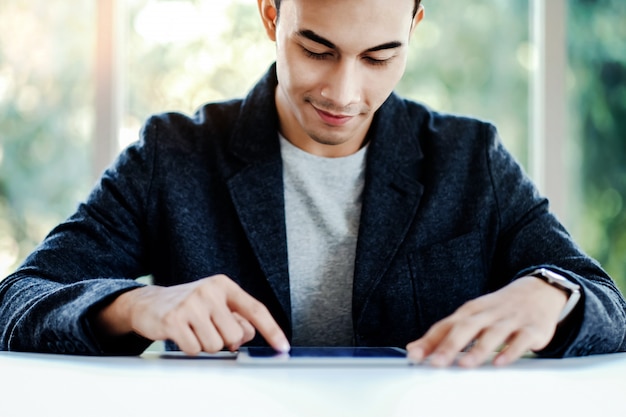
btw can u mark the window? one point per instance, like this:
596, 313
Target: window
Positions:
597, 108
474, 59
46, 118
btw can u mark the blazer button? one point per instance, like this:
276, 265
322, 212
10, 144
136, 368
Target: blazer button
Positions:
80, 346
69, 347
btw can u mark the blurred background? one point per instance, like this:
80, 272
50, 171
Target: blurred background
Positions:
77, 80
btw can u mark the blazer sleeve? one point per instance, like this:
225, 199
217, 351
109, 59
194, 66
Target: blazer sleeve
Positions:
531, 237
84, 262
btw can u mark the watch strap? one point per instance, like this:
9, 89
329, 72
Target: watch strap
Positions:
562, 283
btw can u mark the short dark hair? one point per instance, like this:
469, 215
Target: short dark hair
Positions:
415, 7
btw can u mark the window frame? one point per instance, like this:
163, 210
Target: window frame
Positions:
548, 113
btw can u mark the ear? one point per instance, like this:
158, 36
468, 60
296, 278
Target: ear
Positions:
269, 15
418, 18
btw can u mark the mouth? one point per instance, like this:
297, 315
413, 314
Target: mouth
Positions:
334, 119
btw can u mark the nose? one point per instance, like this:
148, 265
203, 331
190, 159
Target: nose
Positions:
343, 84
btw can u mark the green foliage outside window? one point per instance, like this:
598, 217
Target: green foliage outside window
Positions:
597, 54
46, 114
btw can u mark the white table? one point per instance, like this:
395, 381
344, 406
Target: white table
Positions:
55, 385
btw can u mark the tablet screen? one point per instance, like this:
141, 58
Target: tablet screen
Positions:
322, 355
330, 352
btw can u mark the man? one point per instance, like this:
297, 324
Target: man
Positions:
321, 209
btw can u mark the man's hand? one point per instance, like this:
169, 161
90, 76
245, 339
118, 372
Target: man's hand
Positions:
521, 316
205, 315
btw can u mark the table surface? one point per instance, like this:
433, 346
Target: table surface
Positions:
174, 385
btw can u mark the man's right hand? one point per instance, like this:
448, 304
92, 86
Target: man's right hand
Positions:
202, 316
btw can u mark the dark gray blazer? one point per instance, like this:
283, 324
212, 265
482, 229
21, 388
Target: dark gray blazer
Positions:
447, 215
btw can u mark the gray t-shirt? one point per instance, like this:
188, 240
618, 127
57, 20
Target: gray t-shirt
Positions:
322, 211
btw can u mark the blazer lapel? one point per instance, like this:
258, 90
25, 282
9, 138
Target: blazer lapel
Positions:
256, 186
390, 199
257, 194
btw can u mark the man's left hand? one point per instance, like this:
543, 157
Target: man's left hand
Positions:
520, 317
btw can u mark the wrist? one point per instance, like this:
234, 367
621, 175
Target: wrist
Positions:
113, 319
571, 289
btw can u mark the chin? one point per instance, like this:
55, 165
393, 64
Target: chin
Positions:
328, 139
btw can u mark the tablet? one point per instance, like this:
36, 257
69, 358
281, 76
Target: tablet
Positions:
324, 356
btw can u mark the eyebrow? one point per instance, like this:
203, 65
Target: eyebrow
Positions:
309, 34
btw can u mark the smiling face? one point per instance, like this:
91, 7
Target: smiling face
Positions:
337, 62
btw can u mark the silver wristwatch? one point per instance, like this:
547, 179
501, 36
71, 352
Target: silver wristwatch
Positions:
561, 283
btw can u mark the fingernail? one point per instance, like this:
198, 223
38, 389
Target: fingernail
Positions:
416, 355
284, 347
415, 361
500, 360
437, 360
468, 361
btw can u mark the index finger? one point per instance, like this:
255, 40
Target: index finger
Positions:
258, 315
425, 345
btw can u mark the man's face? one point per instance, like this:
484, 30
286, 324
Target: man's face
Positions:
337, 62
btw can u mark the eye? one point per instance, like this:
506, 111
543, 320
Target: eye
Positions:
314, 55
376, 62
